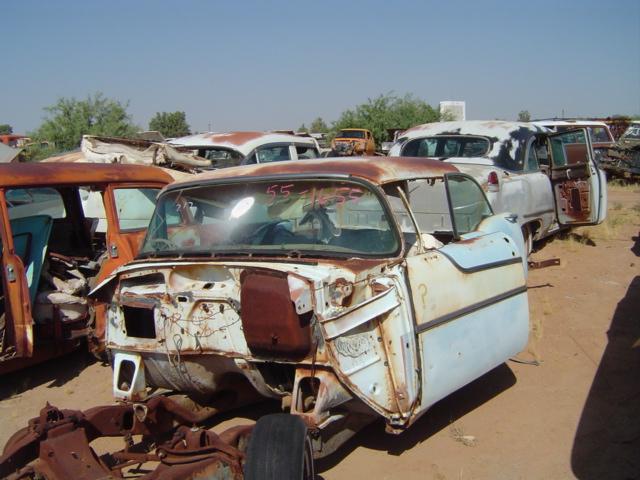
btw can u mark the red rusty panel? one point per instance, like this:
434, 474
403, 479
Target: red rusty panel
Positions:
269, 319
60, 174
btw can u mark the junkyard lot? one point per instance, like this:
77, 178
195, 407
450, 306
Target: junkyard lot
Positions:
575, 414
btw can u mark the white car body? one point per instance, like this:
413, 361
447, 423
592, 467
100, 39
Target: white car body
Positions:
545, 195
246, 148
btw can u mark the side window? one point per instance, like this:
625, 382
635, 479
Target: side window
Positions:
569, 148
469, 206
273, 154
26, 202
557, 152
421, 147
305, 151
428, 200
250, 160
531, 163
134, 207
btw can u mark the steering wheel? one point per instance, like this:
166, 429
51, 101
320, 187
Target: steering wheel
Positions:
163, 244
328, 229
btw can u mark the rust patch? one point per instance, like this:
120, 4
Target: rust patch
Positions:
59, 174
235, 138
269, 320
378, 170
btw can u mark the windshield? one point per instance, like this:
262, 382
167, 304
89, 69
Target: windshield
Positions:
317, 217
633, 132
351, 134
447, 146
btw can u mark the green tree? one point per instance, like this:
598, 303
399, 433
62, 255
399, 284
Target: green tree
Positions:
303, 128
524, 116
5, 129
170, 124
319, 126
68, 119
386, 112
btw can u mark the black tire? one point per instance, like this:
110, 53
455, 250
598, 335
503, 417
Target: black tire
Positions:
279, 449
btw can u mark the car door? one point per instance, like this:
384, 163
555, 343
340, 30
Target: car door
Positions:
129, 208
579, 186
470, 295
16, 325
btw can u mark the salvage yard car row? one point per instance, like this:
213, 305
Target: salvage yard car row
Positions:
348, 289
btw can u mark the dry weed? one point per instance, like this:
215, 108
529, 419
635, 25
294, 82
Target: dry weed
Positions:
457, 433
622, 186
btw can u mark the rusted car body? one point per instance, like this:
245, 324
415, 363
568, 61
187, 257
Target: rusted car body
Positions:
53, 249
353, 142
549, 180
231, 149
349, 289
624, 156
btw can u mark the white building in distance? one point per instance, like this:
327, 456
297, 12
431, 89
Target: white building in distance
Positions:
454, 109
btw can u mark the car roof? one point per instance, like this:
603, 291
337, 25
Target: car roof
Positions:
490, 128
568, 123
379, 170
243, 142
60, 174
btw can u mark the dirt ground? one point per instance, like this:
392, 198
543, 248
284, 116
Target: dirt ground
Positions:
574, 415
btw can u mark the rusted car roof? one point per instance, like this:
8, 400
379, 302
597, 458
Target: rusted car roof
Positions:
491, 128
378, 170
42, 174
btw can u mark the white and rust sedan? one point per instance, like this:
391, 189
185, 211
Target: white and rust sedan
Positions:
349, 289
548, 180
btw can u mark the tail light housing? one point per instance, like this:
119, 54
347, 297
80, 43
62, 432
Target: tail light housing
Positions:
493, 181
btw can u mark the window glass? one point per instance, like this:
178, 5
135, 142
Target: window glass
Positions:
447, 146
428, 200
599, 134
221, 157
305, 151
350, 134
25, 202
134, 207
273, 154
468, 203
314, 217
569, 148
633, 132
558, 152
532, 158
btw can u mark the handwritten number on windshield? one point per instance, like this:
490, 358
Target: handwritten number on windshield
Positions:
323, 196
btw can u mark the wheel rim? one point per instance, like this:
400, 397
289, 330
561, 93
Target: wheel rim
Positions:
308, 473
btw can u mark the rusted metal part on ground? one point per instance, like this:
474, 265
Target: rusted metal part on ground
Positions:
551, 262
56, 444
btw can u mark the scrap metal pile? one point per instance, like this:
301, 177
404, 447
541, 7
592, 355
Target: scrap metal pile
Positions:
56, 444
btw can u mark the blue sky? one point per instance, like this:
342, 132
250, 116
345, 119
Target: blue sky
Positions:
264, 65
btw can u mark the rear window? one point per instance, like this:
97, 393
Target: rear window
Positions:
447, 146
26, 202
